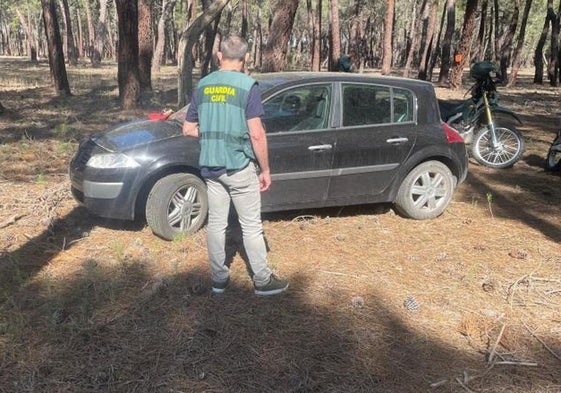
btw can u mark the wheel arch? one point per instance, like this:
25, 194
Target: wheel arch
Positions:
150, 180
422, 157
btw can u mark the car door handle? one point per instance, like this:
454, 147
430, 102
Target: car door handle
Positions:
320, 147
397, 140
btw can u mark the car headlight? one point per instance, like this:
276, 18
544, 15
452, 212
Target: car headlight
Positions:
104, 161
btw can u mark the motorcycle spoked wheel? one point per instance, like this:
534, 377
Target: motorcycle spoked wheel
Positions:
509, 149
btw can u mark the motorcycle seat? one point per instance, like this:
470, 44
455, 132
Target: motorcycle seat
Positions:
450, 107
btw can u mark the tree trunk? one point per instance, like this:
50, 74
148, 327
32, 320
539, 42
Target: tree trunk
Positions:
428, 38
413, 41
506, 45
553, 68
208, 63
480, 48
72, 53
100, 35
388, 29
54, 44
28, 29
127, 72
258, 41
145, 51
91, 30
356, 35
538, 53
189, 37
167, 8
80, 45
520, 43
464, 46
244, 20
314, 26
274, 56
334, 36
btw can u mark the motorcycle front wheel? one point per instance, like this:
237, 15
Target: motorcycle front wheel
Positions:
505, 153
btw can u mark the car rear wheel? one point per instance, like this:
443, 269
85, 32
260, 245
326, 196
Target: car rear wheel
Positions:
426, 191
177, 204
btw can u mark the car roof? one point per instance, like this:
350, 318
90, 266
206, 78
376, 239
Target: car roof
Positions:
274, 79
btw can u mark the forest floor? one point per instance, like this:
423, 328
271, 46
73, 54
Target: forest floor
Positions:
92, 305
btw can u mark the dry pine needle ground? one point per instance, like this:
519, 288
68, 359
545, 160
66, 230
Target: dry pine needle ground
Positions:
467, 302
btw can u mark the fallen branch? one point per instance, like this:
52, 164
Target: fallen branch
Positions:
11, 220
517, 363
558, 357
497, 341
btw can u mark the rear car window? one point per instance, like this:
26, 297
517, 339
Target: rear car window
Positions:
374, 104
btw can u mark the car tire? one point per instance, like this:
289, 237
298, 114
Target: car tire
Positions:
426, 191
177, 204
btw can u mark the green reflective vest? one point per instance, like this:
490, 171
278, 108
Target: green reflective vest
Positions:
224, 135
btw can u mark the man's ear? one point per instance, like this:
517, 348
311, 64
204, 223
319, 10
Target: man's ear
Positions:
246, 57
219, 57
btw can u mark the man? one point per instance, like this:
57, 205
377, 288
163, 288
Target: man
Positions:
225, 113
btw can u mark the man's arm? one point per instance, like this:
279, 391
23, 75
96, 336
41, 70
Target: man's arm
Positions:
260, 148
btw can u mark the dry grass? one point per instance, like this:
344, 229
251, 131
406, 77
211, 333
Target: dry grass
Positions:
91, 305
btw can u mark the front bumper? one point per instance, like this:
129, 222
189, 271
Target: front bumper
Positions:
106, 193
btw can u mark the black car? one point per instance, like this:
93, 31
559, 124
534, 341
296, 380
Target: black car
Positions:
334, 139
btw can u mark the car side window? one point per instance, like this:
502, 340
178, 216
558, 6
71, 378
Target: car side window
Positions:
402, 106
372, 104
303, 108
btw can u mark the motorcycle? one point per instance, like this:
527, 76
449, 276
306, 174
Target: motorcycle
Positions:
553, 160
494, 141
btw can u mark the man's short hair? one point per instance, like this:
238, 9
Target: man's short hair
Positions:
233, 47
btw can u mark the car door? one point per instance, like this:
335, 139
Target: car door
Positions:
301, 144
376, 135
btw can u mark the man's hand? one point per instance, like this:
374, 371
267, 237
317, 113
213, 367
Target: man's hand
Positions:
190, 129
264, 181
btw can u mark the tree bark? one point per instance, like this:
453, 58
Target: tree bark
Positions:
274, 55
54, 44
334, 35
553, 68
314, 23
145, 51
520, 43
538, 52
127, 72
506, 45
100, 35
388, 30
167, 8
80, 45
28, 29
428, 36
210, 63
413, 41
189, 37
464, 46
91, 30
71, 52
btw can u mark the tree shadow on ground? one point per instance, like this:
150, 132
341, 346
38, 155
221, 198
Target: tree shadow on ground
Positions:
118, 329
123, 327
515, 195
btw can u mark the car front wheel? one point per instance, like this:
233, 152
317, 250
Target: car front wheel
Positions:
426, 191
177, 204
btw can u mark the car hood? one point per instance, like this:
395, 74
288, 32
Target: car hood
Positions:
137, 133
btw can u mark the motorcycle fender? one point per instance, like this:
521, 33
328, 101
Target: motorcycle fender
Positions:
500, 109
